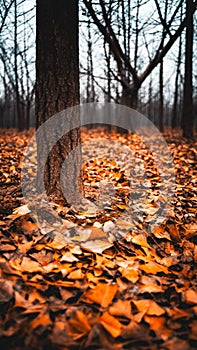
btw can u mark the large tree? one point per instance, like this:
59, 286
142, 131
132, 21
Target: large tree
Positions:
57, 88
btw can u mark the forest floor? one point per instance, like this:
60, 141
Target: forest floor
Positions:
126, 278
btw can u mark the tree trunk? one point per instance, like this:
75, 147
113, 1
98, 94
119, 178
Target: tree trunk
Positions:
187, 111
20, 123
176, 91
57, 88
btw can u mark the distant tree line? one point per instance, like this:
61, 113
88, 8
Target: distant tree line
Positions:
17, 63
140, 40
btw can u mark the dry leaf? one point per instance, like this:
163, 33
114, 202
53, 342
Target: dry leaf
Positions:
154, 268
78, 325
102, 294
150, 306
140, 240
191, 296
121, 308
111, 324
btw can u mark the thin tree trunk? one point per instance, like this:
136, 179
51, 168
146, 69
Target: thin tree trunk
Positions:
18, 111
187, 111
175, 104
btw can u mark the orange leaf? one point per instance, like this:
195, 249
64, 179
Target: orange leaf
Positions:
174, 233
191, 296
121, 308
29, 265
102, 294
111, 324
153, 268
130, 274
78, 325
140, 240
150, 306
41, 320
160, 233
76, 275
151, 288
157, 324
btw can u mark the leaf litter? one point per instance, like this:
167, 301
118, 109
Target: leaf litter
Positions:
122, 275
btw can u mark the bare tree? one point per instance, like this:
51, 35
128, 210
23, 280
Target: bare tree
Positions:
177, 84
16, 62
170, 34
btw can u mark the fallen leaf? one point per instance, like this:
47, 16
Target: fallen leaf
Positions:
102, 294
190, 296
111, 324
140, 240
154, 268
78, 325
29, 265
42, 319
157, 324
121, 308
150, 306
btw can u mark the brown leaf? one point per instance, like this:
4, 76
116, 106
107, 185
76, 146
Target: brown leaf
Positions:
6, 291
174, 232
133, 331
193, 332
97, 233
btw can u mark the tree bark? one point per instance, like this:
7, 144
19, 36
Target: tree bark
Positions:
187, 111
57, 88
175, 121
